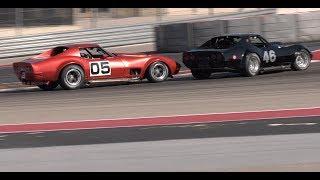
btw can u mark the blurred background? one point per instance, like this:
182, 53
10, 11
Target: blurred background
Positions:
278, 144
28, 31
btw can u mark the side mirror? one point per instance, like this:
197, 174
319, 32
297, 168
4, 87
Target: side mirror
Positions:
104, 56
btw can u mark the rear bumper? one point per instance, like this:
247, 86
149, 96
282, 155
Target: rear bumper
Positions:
27, 74
30, 78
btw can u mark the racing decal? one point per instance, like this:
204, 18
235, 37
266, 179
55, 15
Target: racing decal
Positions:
99, 68
269, 56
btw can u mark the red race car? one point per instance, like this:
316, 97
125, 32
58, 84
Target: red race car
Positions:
73, 66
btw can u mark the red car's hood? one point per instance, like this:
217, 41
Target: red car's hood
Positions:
132, 54
316, 55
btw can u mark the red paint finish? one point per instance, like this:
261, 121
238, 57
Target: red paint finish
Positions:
46, 67
155, 121
316, 55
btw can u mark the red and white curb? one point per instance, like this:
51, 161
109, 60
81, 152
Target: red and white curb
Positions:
162, 120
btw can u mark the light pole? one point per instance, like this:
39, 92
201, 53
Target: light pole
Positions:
211, 11
18, 21
94, 18
159, 15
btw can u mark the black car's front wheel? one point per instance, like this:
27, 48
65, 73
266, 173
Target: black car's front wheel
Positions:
302, 61
251, 65
200, 74
72, 77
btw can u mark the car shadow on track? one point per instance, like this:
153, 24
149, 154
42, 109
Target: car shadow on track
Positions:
227, 75
220, 75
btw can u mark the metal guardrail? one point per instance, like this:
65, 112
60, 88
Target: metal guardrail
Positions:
30, 45
224, 16
106, 37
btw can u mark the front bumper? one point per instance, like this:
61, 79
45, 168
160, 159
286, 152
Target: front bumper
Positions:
178, 67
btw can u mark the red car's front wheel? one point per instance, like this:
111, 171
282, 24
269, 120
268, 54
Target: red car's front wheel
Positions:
157, 72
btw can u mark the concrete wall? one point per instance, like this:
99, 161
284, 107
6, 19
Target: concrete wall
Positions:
309, 26
280, 28
295, 10
202, 31
185, 36
35, 16
173, 37
286, 28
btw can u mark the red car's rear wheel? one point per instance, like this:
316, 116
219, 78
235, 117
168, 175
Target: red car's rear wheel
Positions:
72, 77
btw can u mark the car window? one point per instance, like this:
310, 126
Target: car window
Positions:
96, 52
58, 50
256, 41
222, 42
84, 53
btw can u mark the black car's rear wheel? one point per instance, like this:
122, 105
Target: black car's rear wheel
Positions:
251, 65
302, 61
201, 74
72, 77
49, 86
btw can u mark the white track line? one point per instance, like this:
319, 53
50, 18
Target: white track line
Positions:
17, 89
172, 115
293, 124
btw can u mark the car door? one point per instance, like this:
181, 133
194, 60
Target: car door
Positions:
266, 53
102, 65
283, 54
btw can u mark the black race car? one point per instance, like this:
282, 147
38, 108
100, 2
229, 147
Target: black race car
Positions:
249, 54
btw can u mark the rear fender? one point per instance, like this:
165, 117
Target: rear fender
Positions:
71, 62
243, 60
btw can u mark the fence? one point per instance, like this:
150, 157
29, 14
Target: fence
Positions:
106, 37
18, 17
29, 45
26, 21
286, 28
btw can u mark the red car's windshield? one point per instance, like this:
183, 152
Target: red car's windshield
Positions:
94, 52
58, 50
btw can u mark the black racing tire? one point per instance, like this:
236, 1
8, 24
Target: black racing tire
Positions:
157, 72
72, 77
252, 65
302, 61
49, 86
201, 74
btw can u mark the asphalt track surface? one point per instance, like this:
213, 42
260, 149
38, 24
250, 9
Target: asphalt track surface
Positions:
297, 125
295, 152
224, 92
278, 144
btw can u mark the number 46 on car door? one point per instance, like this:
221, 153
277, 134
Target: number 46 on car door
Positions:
269, 56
